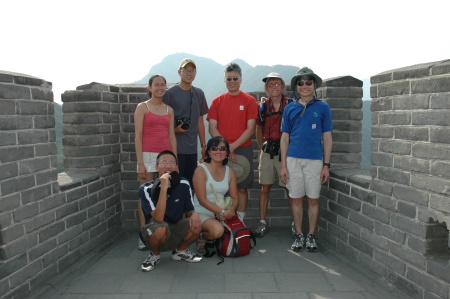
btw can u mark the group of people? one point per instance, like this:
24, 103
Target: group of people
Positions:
183, 201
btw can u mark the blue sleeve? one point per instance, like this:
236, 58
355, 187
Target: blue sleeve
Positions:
189, 202
187, 196
285, 123
327, 124
145, 199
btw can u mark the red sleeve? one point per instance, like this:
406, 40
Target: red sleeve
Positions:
212, 113
252, 109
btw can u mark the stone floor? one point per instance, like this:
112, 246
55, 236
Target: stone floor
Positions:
271, 270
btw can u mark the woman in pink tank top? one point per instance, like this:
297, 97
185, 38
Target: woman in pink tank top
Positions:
154, 132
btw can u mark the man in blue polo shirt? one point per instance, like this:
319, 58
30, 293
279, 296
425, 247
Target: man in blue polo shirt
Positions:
168, 207
305, 162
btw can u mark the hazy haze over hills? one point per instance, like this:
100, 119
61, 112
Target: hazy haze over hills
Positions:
210, 74
210, 79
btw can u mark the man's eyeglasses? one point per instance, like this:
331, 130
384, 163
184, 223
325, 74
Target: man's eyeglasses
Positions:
234, 79
189, 71
301, 83
218, 148
165, 163
271, 85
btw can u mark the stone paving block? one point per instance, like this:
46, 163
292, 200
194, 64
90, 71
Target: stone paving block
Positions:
252, 282
310, 282
116, 273
204, 282
98, 284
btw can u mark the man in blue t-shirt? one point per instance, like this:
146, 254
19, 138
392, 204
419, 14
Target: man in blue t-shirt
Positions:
168, 207
305, 162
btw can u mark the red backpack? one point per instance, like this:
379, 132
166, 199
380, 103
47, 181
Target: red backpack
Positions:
236, 240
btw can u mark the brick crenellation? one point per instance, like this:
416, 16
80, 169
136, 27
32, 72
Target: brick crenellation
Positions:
393, 219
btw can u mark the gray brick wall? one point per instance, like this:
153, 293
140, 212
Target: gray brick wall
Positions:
401, 230
394, 219
44, 217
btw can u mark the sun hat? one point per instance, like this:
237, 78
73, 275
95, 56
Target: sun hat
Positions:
186, 61
305, 71
241, 167
274, 76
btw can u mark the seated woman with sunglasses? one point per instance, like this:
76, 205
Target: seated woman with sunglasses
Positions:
214, 171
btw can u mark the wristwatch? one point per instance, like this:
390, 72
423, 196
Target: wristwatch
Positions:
202, 145
327, 164
222, 213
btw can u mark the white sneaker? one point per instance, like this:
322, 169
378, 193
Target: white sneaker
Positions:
293, 231
261, 229
141, 245
150, 262
187, 256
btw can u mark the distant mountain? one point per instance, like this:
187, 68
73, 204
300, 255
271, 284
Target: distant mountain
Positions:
210, 80
210, 74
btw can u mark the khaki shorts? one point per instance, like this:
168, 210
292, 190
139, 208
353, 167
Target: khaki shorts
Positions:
175, 232
268, 168
149, 160
304, 177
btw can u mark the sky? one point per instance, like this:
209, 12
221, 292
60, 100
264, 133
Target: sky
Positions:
71, 43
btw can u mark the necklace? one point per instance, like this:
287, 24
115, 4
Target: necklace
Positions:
156, 107
304, 103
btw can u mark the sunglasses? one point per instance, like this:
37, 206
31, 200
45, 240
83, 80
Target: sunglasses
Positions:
232, 79
301, 83
218, 148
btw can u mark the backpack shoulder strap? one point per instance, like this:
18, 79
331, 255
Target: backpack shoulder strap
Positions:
262, 112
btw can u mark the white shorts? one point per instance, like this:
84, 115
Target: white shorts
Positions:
204, 217
149, 161
304, 177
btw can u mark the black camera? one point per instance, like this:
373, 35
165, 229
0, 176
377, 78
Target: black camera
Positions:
186, 123
271, 147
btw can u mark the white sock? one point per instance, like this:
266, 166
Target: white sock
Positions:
262, 221
241, 215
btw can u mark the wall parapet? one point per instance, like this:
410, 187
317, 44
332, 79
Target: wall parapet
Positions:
48, 221
396, 221
392, 219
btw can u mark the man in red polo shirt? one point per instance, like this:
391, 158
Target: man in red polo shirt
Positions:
233, 115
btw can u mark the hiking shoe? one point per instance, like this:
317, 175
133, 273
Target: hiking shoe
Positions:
261, 229
141, 245
186, 255
150, 262
311, 243
299, 242
293, 231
